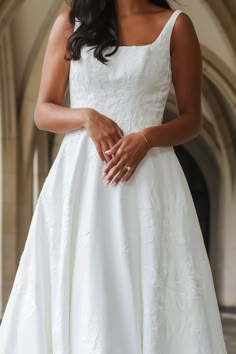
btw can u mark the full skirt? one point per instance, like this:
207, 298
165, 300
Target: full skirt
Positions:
113, 269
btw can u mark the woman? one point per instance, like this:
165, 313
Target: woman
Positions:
114, 262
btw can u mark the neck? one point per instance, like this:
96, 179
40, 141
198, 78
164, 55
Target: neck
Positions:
128, 7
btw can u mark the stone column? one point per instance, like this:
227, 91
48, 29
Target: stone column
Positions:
8, 175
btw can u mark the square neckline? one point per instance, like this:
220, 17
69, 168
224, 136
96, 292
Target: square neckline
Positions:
149, 45
155, 41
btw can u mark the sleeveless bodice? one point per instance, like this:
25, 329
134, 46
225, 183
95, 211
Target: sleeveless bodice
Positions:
132, 88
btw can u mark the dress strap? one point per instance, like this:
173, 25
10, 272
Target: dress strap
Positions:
173, 19
167, 30
174, 16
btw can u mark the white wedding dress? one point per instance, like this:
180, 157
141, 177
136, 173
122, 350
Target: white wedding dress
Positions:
115, 269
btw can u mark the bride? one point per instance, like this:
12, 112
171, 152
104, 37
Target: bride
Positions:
114, 261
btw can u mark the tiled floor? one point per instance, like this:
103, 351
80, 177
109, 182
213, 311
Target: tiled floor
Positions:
229, 328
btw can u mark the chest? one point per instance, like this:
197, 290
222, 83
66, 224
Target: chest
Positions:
132, 68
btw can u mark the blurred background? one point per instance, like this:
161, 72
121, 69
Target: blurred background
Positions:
208, 161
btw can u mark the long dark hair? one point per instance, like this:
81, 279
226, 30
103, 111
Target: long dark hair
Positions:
98, 27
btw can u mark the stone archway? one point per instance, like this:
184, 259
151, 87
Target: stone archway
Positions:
19, 138
33, 138
8, 165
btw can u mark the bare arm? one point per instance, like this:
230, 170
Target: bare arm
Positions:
49, 114
186, 64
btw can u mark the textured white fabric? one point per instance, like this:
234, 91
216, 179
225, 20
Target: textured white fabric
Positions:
115, 269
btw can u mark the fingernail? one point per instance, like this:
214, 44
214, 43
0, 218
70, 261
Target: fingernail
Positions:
114, 183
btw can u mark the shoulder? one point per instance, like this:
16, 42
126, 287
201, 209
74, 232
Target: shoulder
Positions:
62, 18
183, 22
183, 26
183, 33
60, 32
62, 26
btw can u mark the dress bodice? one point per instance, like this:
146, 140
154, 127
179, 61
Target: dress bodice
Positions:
132, 88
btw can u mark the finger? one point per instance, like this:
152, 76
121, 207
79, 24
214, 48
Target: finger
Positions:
116, 139
110, 143
129, 174
100, 153
115, 169
111, 164
114, 148
105, 147
121, 133
123, 172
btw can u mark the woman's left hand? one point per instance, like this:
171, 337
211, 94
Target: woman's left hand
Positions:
128, 151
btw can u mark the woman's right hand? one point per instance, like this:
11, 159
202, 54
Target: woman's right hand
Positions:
104, 132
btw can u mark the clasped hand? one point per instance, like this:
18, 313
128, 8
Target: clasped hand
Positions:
117, 150
128, 151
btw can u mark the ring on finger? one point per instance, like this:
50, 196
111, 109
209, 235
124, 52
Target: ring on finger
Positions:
127, 167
